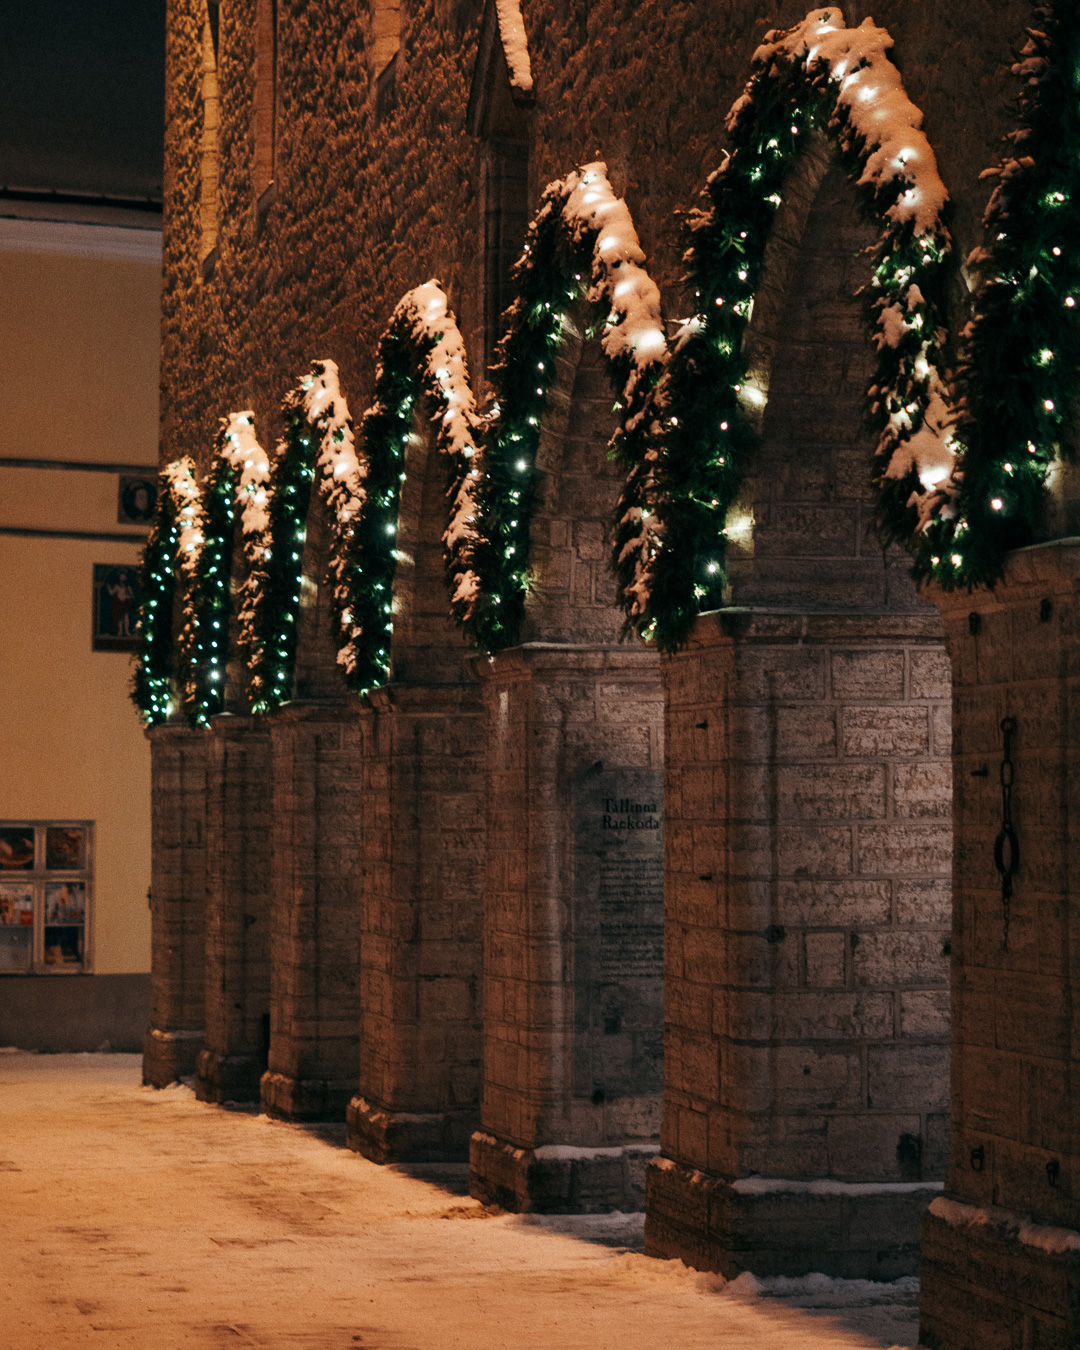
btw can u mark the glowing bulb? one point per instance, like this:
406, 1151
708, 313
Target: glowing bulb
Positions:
956, 560
997, 503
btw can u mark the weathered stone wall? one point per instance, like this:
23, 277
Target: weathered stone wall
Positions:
314, 937
808, 848
238, 818
572, 942
1001, 1256
367, 206
178, 902
420, 770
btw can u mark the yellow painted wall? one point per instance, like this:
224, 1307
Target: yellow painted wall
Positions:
79, 355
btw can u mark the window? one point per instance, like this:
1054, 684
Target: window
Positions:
46, 884
386, 16
208, 182
265, 98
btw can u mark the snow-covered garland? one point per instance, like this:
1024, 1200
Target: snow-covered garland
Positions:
421, 359
1022, 348
173, 530
582, 242
670, 543
237, 481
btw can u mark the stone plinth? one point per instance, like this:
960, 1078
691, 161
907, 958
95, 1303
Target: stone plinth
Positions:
806, 911
1001, 1250
238, 815
572, 928
178, 898
314, 921
422, 845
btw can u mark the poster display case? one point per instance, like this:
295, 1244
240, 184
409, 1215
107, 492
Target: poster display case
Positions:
46, 885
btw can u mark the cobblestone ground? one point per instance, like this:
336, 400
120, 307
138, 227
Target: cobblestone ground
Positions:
132, 1218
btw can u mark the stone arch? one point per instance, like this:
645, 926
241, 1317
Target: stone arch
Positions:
582, 267
819, 75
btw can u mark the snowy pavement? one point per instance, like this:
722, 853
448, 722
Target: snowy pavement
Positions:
131, 1219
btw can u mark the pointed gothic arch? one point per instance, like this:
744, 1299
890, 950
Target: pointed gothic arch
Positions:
819, 76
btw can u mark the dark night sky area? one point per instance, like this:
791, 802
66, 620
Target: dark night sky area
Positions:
82, 94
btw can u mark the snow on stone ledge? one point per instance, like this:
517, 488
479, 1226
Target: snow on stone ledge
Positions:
780, 1186
1008, 1223
515, 44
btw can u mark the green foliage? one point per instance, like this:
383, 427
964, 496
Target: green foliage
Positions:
206, 600
1022, 352
700, 433
151, 681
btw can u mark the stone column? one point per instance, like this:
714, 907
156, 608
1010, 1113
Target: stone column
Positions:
314, 933
421, 763
1001, 1248
178, 900
572, 928
806, 909
238, 809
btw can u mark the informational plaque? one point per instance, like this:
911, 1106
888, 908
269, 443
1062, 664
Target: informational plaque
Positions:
618, 932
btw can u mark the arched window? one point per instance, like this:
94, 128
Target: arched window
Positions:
386, 26
265, 103
208, 183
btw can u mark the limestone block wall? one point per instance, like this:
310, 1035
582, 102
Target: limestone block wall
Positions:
422, 801
1001, 1250
238, 820
314, 933
572, 1048
178, 902
806, 926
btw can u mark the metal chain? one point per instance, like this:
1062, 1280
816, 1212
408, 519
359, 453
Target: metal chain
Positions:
1006, 845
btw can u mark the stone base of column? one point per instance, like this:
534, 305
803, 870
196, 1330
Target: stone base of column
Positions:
558, 1178
854, 1232
169, 1055
992, 1278
409, 1136
227, 1078
304, 1098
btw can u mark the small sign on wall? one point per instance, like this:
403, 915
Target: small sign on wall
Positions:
136, 499
116, 607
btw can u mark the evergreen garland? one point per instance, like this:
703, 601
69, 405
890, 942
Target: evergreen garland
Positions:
275, 606
581, 243
177, 505
671, 522
421, 360
1022, 349
206, 563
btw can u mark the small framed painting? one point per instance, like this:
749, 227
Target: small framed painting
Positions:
136, 499
116, 607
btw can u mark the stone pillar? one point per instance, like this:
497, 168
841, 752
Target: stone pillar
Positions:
806, 909
572, 928
178, 900
314, 924
1001, 1248
238, 809
422, 845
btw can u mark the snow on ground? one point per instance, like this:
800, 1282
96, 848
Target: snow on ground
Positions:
132, 1219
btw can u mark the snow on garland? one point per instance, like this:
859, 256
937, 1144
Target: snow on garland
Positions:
515, 44
582, 241
318, 446
1022, 347
174, 533
421, 359
670, 532
237, 481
